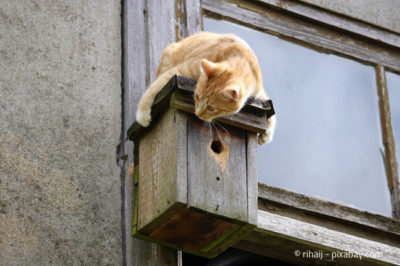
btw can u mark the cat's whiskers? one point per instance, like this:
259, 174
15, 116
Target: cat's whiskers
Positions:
218, 124
215, 128
206, 124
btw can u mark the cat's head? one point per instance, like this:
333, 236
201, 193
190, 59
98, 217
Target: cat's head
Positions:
219, 91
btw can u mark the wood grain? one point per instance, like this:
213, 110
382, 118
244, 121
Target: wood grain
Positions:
161, 31
134, 50
327, 209
210, 188
193, 17
336, 20
392, 168
305, 32
148, 26
160, 167
252, 177
322, 237
250, 119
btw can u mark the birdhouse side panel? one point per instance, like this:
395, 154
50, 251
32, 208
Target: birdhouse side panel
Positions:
162, 167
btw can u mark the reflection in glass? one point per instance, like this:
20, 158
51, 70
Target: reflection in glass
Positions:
328, 138
393, 84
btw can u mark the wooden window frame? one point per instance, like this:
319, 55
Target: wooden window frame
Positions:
287, 221
296, 220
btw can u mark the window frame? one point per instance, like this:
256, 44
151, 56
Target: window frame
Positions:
327, 32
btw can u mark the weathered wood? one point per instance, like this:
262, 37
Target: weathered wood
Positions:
193, 17
252, 177
179, 92
338, 21
217, 174
305, 32
197, 233
326, 209
135, 251
161, 32
194, 174
146, 31
392, 170
180, 21
165, 183
160, 168
163, 256
322, 238
251, 119
275, 246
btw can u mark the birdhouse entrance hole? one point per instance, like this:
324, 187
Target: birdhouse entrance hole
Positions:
216, 146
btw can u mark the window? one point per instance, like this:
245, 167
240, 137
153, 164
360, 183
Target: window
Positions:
329, 167
328, 141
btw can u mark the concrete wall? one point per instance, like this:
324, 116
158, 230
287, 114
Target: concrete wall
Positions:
383, 13
60, 104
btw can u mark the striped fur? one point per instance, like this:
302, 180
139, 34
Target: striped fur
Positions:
227, 71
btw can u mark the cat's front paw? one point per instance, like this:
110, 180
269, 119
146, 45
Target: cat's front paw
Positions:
264, 138
143, 118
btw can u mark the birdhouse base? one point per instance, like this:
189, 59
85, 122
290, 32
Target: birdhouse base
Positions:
193, 231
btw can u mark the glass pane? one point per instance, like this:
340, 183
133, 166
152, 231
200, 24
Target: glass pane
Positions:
393, 83
328, 138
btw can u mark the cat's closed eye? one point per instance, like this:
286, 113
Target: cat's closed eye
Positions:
197, 97
210, 108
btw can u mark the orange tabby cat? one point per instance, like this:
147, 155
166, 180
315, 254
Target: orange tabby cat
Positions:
227, 71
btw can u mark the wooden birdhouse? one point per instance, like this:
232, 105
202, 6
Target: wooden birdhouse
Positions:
196, 183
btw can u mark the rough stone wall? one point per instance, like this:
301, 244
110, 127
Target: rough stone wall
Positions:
60, 108
383, 13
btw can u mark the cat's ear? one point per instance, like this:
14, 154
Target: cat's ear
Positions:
232, 93
209, 67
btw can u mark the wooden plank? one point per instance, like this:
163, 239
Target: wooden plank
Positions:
336, 20
180, 20
320, 237
161, 169
217, 170
193, 17
248, 118
305, 32
161, 31
392, 169
163, 256
326, 209
276, 247
180, 120
135, 251
252, 177
141, 35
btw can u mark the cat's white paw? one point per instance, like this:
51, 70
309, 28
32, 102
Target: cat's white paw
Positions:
264, 138
143, 118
